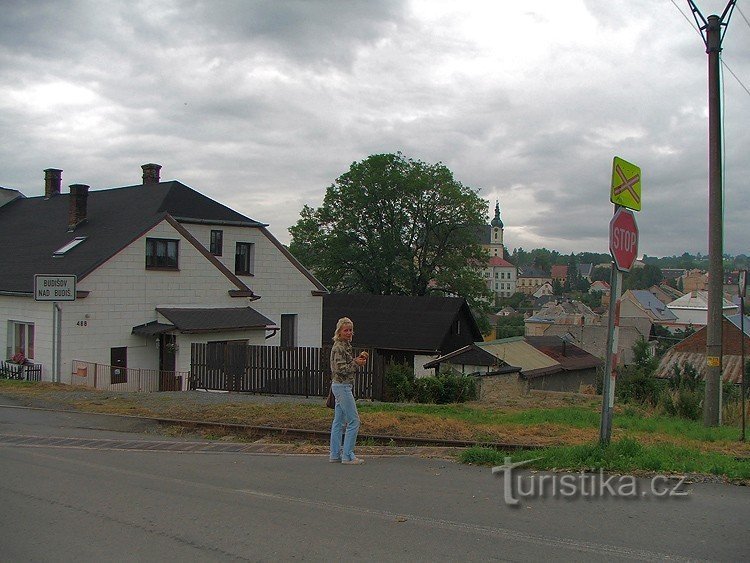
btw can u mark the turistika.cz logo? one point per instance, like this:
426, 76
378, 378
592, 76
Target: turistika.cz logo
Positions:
583, 485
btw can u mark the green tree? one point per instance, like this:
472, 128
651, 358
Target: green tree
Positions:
642, 278
392, 225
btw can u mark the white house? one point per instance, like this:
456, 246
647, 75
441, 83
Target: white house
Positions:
692, 309
159, 266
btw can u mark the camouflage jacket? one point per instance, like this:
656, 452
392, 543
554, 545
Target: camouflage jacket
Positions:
342, 362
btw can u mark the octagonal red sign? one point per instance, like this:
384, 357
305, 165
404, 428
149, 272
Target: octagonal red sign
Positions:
623, 239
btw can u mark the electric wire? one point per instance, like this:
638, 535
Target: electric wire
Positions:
743, 16
698, 31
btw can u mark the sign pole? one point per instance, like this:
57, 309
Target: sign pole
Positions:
610, 366
625, 194
57, 376
55, 288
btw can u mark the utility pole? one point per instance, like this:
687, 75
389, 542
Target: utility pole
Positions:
712, 31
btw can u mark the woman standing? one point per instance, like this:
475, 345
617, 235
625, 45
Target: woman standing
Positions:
343, 367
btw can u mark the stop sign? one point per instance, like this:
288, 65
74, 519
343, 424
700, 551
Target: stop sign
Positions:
623, 239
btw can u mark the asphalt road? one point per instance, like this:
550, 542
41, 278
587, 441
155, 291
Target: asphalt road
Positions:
103, 495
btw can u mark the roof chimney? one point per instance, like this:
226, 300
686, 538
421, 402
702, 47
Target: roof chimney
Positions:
79, 194
151, 173
52, 180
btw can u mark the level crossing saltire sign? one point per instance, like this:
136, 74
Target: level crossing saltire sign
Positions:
626, 184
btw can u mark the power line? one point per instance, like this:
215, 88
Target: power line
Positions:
743, 16
723, 63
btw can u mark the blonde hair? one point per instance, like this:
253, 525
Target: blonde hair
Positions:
342, 322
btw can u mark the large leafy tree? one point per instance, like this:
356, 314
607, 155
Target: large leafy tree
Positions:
392, 225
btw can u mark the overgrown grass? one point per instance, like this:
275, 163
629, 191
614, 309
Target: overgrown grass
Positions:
624, 455
667, 443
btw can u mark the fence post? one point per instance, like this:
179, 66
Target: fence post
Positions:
306, 382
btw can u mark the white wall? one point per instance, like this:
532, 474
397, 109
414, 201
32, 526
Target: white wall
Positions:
419, 362
283, 289
26, 310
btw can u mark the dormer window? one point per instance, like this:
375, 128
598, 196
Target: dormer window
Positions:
63, 250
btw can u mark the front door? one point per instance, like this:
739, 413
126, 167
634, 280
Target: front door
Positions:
167, 362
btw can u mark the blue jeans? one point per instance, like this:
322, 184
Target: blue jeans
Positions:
344, 413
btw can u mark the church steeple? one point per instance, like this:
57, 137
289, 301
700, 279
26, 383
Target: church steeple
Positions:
497, 222
496, 234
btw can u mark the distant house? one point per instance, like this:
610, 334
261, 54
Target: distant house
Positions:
496, 378
559, 273
159, 267
560, 313
695, 280
584, 270
672, 273
547, 363
593, 339
530, 279
665, 293
692, 309
600, 286
545, 289
692, 350
640, 309
500, 276
541, 363
403, 328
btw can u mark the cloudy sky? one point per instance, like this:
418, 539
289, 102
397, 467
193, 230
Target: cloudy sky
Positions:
262, 104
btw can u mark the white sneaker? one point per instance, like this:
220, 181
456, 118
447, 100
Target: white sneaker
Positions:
355, 461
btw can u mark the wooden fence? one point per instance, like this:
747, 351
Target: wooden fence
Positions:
276, 370
29, 372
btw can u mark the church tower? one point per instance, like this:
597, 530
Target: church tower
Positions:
496, 233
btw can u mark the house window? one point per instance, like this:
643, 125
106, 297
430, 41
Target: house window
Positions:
289, 330
217, 242
20, 339
161, 253
244, 258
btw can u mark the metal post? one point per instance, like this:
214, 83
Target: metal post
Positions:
608, 392
54, 342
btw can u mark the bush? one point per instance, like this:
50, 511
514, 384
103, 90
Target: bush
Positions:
399, 383
446, 387
638, 385
685, 403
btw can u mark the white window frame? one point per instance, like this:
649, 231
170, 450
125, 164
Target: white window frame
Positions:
27, 345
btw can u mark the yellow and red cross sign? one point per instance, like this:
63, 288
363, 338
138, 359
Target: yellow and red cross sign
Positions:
626, 184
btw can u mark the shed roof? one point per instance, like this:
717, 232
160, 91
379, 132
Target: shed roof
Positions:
399, 322
516, 351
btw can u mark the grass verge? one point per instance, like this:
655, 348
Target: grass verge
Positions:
624, 455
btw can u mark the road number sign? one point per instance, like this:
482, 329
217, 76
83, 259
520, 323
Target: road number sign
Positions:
51, 287
623, 239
